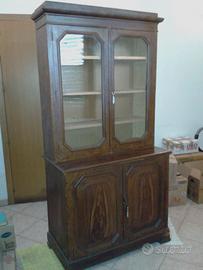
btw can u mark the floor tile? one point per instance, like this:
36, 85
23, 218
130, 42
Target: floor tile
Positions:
105, 265
23, 242
45, 218
179, 211
30, 221
138, 260
170, 264
175, 240
37, 232
37, 210
18, 207
22, 222
99, 267
196, 205
177, 222
195, 215
191, 231
177, 215
193, 256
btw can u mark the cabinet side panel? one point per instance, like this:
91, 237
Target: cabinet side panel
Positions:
152, 85
56, 206
164, 194
44, 79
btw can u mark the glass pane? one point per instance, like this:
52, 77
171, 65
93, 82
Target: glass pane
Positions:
130, 79
81, 84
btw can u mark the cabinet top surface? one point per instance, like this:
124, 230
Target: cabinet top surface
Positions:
95, 11
102, 161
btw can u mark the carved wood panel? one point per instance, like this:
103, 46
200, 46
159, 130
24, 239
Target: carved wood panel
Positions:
98, 205
143, 198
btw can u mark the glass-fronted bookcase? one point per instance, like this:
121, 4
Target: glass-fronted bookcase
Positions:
102, 91
107, 185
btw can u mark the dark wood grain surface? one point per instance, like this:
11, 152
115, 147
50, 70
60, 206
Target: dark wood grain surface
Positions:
99, 213
106, 200
66, 8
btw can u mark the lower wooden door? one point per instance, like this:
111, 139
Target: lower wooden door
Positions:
145, 193
94, 210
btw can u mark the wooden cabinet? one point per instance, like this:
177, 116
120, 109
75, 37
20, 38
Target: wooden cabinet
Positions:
106, 182
99, 86
99, 210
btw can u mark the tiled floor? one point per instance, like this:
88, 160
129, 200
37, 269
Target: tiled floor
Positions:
30, 221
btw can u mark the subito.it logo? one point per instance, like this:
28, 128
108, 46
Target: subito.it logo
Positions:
147, 249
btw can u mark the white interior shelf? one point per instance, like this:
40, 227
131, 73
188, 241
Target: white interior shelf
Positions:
130, 91
98, 123
137, 58
82, 124
95, 57
129, 121
92, 93
81, 93
91, 57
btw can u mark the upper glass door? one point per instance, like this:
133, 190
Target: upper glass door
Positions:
81, 71
130, 88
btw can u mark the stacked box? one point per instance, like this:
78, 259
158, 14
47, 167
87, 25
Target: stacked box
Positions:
180, 145
177, 184
194, 171
178, 195
195, 189
173, 164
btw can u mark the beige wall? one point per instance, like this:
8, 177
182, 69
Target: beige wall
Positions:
180, 59
179, 97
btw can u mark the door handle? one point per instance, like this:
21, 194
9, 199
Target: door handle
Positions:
113, 97
127, 212
126, 208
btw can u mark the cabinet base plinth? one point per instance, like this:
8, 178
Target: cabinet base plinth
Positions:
161, 237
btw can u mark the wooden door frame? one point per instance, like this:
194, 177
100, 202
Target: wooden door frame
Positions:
5, 140
3, 116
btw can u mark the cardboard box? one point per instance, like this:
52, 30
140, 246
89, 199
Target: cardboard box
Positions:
181, 158
193, 168
173, 165
195, 189
183, 169
194, 171
178, 195
181, 145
